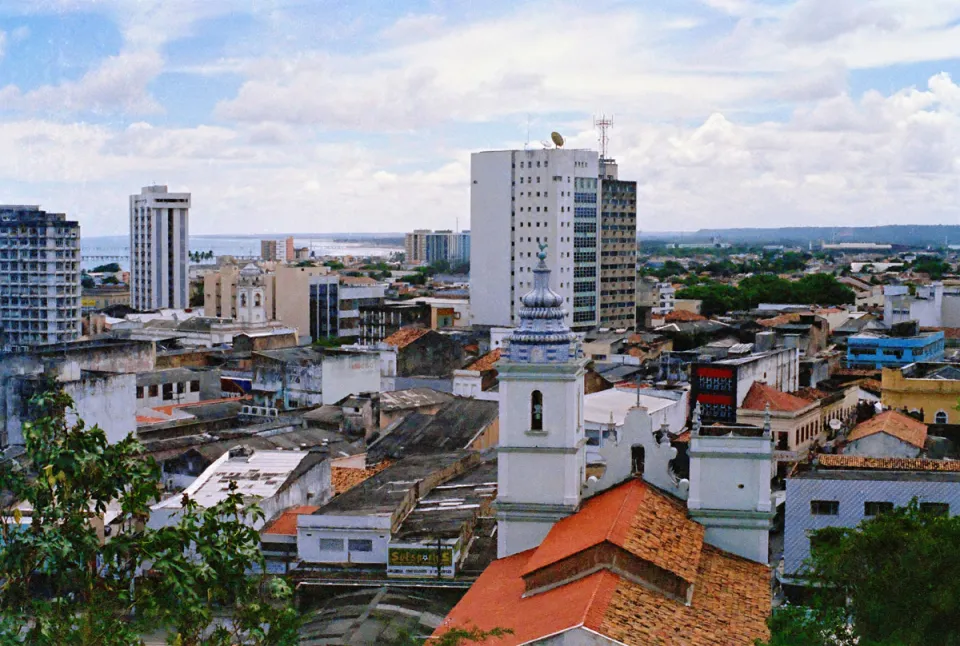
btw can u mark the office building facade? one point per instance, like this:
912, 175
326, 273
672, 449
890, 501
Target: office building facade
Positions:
519, 200
39, 278
618, 248
159, 239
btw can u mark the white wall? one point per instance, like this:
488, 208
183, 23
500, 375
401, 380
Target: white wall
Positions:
881, 445
108, 401
349, 374
490, 251
312, 527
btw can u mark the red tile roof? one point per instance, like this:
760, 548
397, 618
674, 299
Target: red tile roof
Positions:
731, 597
810, 394
874, 386
782, 319
405, 336
761, 394
948, 332
892, 422
286, 522
486, 362
832, 461
346, 478
678, 316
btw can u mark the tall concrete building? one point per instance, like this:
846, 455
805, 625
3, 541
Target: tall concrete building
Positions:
159, 239
268, 249
618, 248
427, 247
39, 278
520, 199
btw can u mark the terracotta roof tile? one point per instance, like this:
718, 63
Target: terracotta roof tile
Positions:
874, 386
894, 464
358, 280
286, 522
782, 319
683, 315
810, 394
892, 422
948, 332
345, 478
486, 362
405, 336
761, 394
731, 596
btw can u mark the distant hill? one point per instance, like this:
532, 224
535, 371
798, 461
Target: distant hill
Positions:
910, 235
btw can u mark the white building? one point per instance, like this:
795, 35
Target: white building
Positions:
39, 278
520, 199
159, 257
666, 300
931, 305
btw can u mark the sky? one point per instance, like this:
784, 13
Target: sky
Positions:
361, 115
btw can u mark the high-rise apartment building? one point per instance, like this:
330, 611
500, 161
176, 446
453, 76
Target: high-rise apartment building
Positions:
159, 238
427, 247
519, 200
268, 250
618, 248
39, 278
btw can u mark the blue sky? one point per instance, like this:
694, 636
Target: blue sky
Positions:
361, 116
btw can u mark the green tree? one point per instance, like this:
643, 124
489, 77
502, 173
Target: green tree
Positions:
87, 282
110, 280
62, 584
717, 298
452, 637
933, 267
110, 268
334, 265
896, 577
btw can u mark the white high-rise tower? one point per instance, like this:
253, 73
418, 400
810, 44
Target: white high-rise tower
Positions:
520, 199
541, 457
159, 239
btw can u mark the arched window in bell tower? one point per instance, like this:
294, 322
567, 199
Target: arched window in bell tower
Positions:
243, 300
536, 411
256, 300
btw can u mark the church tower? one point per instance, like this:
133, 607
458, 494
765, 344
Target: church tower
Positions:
251, 295
541, 457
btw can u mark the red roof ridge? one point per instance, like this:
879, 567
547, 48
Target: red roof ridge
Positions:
486, 362
760, 394
894, 423
405, 336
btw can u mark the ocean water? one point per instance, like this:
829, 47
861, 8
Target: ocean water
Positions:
105, 249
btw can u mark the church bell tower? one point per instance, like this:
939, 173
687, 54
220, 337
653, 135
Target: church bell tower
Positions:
541, 456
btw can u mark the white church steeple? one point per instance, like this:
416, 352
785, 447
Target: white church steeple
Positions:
541, 457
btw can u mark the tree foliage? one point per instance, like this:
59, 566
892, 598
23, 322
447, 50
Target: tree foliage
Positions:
109, 268
815, 289
61, 583
895, 579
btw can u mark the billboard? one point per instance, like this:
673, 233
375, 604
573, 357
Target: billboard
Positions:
420, 560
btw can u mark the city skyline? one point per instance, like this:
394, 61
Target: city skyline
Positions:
331, 117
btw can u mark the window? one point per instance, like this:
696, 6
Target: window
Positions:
331, 544
876, 508
935, 508
181, 387
167, 392
536, 411
154, 390
195, 386
824, 507
940, 417
360, 545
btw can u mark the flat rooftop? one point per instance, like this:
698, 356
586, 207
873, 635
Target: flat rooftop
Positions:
598, 407
380, 494
442, 512
258, 476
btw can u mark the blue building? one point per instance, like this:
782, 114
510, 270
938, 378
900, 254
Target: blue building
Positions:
882, 351
843, 491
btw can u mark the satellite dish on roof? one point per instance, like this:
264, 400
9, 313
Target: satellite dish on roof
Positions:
557, 139
835, 424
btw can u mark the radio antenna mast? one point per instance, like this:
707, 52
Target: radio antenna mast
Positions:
603, 124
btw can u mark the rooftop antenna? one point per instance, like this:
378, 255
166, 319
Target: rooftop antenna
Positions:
603, 124
526, 146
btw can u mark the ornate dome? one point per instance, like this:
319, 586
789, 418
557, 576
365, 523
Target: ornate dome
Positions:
543, 336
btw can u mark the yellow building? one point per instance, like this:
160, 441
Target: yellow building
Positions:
933, 388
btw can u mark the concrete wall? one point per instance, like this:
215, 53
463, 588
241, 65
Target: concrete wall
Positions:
106, 401
851, 494
293, 296
491, 192
780, 369
433, 354
881, 445
312, 528
349, 374
313, 487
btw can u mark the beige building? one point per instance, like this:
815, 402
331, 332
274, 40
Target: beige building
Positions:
618, 249
233, 291
415, 246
